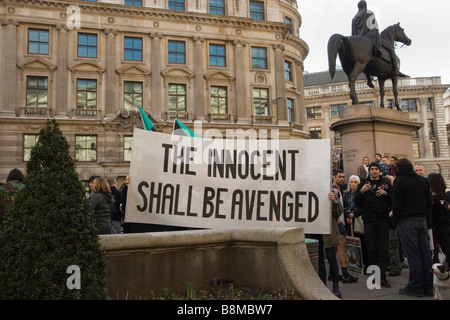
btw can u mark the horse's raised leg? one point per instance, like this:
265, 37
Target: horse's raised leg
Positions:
381, 83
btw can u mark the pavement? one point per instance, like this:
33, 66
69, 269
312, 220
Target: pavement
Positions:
360, 290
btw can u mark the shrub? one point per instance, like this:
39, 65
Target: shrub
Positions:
49, 229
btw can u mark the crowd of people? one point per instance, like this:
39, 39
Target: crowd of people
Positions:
106, 201
398, 212
389, 204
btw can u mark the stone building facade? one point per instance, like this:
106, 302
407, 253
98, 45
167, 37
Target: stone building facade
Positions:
225, 64
423, 98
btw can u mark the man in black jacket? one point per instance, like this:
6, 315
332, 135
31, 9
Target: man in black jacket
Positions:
373, 199
411, 208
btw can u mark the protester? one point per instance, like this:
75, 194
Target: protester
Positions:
331, 242
440, 213
353, 213
100, 202
91, 186
363, 169
373, 197
411, 211
116, 211
420, 169
338, 182
393, 166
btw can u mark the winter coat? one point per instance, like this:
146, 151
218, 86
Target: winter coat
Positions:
411, 197
373, 208
332, 239
116, 212
440, 215
101, 204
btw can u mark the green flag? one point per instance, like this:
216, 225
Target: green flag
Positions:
181, 130
148, 125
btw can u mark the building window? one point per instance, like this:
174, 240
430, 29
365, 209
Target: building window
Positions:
314, 113
136, 3
259, 58
219, 100
87, 45
335, 110
132, 94
133, 49
430, 104
287, 71
176, 5
288, 21
127, 148
217, 55
260, 102
38, 41
29, 141
177, 98
86, 97
37, 92
409, 105
257, 10
86, 148
86, 94
217, 7
290, 109
432, 131
315, 132
176, 52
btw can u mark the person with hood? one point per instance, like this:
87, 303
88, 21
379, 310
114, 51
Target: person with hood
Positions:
411, 206
373, 198
101, 202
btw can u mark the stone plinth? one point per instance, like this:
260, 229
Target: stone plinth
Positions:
366, 130
264, 258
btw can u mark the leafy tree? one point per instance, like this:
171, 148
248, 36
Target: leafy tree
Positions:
49, 229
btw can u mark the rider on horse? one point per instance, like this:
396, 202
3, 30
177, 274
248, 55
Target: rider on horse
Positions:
364, 24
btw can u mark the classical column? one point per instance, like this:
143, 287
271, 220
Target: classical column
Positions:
61, 72
199, 81
425, 138
300, 112
441, 126
280, 86
156, 89
241, 98
9, 72
111, 103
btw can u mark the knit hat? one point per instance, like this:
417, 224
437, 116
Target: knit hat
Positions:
376, 164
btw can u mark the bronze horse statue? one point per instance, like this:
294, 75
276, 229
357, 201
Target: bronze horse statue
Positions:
356, 54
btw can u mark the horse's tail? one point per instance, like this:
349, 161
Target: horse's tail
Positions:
333, 47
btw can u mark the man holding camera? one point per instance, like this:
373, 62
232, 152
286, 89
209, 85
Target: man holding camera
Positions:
373, 198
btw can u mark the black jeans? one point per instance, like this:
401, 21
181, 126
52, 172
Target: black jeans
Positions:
377, 239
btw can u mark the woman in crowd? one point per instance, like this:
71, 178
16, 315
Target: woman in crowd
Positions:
440, 214
101, 202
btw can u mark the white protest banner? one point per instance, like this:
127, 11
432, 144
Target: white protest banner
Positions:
225, 183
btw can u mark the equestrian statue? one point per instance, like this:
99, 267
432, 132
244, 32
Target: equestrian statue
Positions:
369, 52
